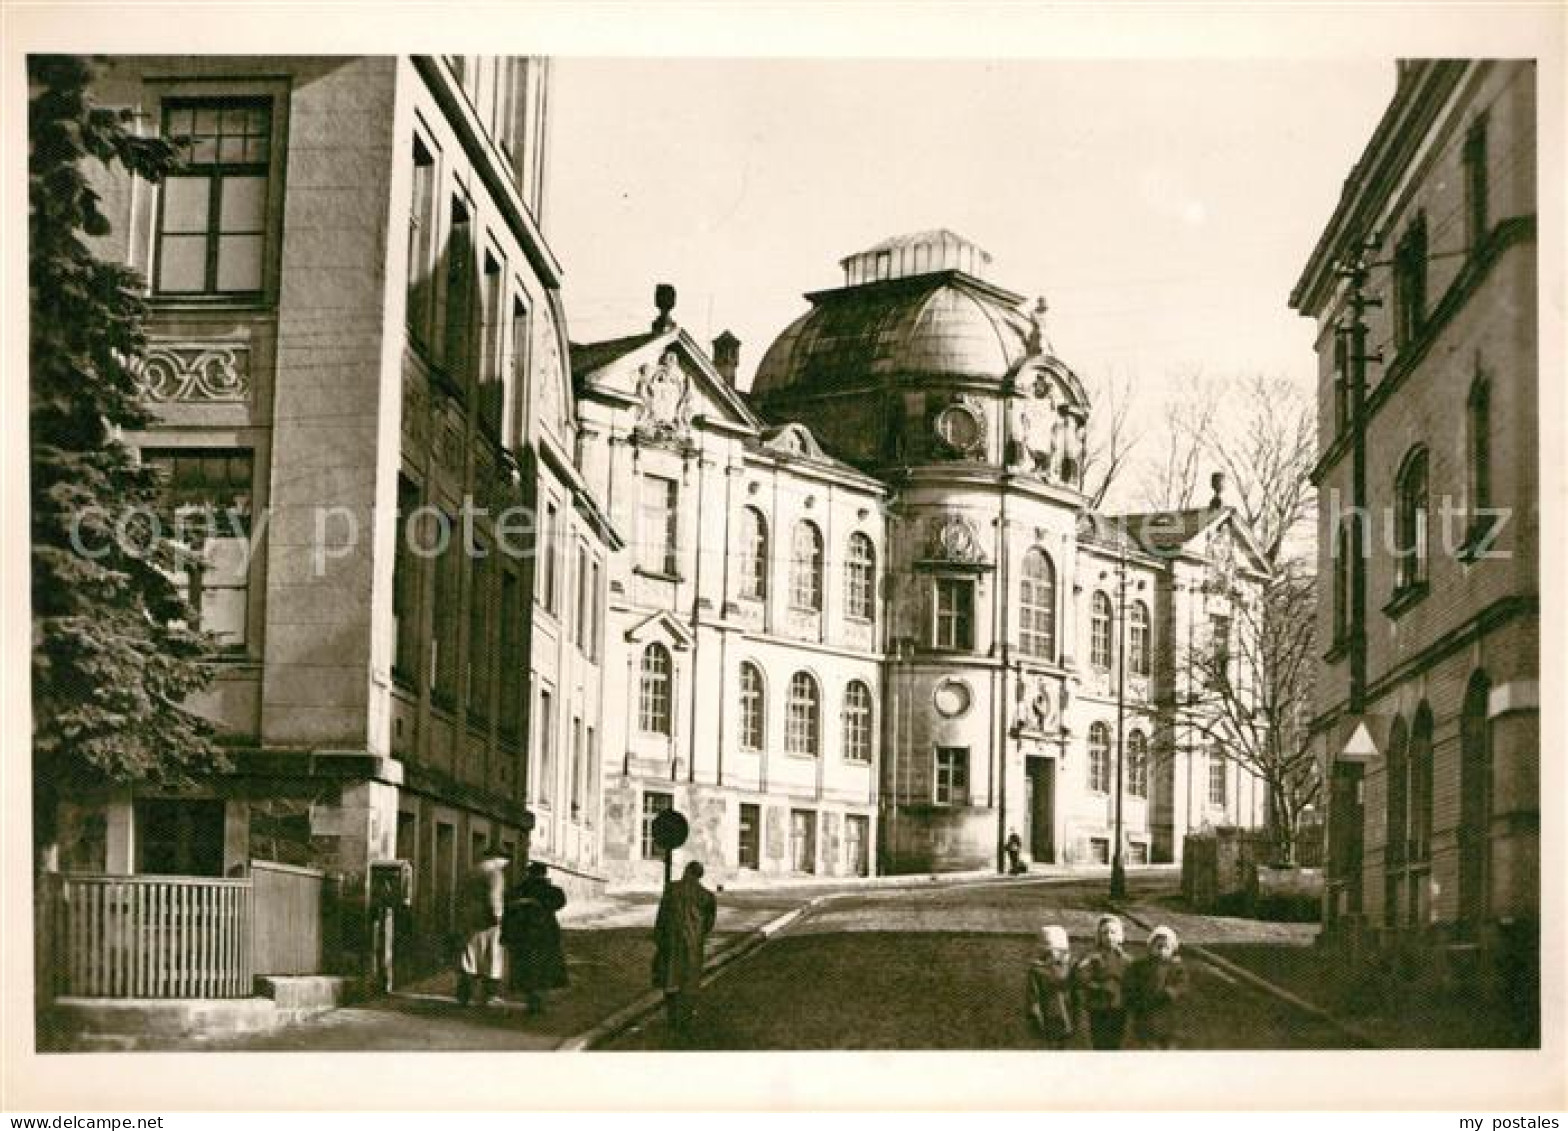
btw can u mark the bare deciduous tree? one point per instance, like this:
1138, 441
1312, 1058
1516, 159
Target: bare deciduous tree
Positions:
1111, 436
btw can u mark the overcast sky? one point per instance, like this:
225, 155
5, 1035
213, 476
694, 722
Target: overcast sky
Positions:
1163, 208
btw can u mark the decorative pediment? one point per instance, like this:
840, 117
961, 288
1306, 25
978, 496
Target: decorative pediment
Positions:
664, 627
664, 399
793, 440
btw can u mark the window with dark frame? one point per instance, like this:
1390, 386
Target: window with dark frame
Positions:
655, 691
549, 548
803, 716
1139, 638
860, 563
653, 803
1410, 260
1037, 606
952, 775
1219, 649
753, 554
212, 219
457, 309
1099, 758
1475, 169
1344, 558
805, 572
544, 785
445, 662
513, 662
421, 244
658, 524
803, 840
1410, 521
481, 642
750, 846
953, 619
752, 707
516, 372
1138, 764
577, 782
492, 385
1219, 778
1100, 631
206, 497
406, 575
857, 722
1480, 469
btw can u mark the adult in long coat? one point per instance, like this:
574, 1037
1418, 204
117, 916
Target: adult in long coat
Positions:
483, 899
680, 933
532, 936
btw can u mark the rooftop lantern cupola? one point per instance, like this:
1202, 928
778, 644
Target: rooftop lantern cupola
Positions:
921, 253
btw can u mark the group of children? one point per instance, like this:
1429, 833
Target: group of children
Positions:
1107, 989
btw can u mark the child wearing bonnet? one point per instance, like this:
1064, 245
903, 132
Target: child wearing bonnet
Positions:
1156, 987
1049, 988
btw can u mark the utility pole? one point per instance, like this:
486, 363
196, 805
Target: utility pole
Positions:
1359, 303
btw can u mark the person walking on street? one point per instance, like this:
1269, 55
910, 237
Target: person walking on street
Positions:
532, 937
1097, 984
1049, 987
680, 932
1156, 986
479, 919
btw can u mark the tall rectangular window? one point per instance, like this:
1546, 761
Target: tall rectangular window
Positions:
803, 840
513, 666
1218, 778
421, 243
952, 775
750, 854
657, 527
481, 644
1476, 218
652, 805
589, 788
448, 611
492, 389
583, 598
206, 496
544, 785
549, 538
458, 309
594, 599
212, 222
1410, 282
1219, 648
577, 768
516, 374
405, 590
953, 628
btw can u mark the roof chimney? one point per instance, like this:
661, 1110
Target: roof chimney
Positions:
664, 299
1217, 481
726, 355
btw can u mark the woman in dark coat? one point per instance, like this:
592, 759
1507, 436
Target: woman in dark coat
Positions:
532, 937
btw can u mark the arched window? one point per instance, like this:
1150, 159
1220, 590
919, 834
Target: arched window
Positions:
857, 722
1410, 520
753, 707
753, 554
805, 567
1396, 812
803, 718
1475, 804
1480, 411
1100, 632
1138, 636
1037, 606
1099, 758
860, 570
655, 691
1138, 764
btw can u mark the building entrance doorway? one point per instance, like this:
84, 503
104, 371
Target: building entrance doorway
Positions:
1040, 809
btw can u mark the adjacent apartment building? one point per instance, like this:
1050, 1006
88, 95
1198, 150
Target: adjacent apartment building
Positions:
1423, 287
357, 355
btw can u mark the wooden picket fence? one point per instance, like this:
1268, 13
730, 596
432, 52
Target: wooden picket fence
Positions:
286, 926
151, 936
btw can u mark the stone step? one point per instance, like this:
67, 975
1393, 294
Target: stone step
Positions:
303, 992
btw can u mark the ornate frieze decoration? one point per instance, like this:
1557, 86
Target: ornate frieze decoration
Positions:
664, 393
1041, 709
954, 538
193, 371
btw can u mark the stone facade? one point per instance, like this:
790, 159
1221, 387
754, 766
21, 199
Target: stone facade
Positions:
1434, 824
356, 341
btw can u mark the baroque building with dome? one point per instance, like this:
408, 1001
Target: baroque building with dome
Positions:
869, 622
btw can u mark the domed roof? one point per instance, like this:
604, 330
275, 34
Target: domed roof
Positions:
945, 323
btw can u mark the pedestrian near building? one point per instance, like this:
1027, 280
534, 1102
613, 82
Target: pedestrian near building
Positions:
1049, 986
479, 919
1098, 985
1156, 987
686, 915
1014, 848
531, 934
